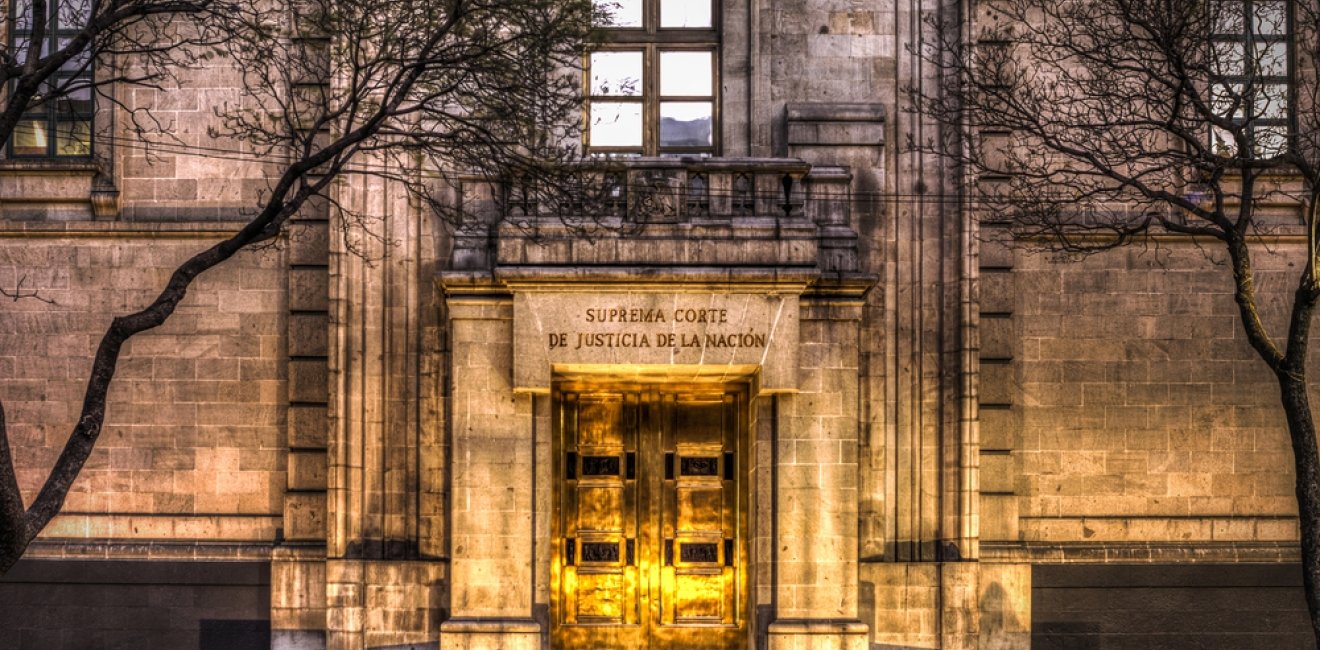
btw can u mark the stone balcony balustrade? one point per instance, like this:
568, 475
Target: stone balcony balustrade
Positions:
670, 212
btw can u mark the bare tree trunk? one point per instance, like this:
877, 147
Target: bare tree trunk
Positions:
1301, 428
1289, 367
18, 527
13, 518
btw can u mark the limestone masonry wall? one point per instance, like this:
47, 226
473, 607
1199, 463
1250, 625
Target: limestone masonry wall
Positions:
192, 447
1145, 416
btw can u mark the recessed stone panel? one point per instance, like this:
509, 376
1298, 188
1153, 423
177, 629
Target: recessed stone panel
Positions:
705, 331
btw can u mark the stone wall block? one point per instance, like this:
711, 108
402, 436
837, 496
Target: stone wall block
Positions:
997, 383
308, 380
308, 334
997, 292
307, 470
308, 426
297, 603
998, 473
308, 242
904, 603
999, 428
997, 337
995, 253
1005, 604
999, 517
309, 289
305, 516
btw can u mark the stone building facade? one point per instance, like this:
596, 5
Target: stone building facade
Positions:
791, 400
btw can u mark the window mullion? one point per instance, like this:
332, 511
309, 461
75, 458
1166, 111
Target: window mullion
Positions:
651, 100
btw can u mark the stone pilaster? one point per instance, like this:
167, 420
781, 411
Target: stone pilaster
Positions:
381, 589
491, 515
816, 502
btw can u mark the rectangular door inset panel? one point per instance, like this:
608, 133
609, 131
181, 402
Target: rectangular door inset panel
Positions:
701, 509
600, 508
650, 518
699, 466
600, 466
600, 596
701, 598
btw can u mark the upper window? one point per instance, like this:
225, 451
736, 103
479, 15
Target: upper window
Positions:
1253, 72
653, 89
59, 126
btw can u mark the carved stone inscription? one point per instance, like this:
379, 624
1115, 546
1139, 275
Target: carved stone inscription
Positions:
689, 329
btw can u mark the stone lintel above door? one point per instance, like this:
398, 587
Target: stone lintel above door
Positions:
694, 266
700, 333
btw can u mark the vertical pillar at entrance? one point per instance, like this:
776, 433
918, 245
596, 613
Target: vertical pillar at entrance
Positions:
492, 485
816, 499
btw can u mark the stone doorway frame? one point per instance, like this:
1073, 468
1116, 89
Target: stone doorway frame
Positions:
655, 380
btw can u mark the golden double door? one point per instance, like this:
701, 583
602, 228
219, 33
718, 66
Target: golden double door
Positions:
650, 517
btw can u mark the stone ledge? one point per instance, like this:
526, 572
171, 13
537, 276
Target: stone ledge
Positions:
153, 229
1139, 552
136, 550
815, 626
837, 111
482, 634
819, 635
663, 279
163, 527
835, 124
12, 166
489, 625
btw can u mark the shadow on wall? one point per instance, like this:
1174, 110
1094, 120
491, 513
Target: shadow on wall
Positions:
1000, 626
1169, 607
59, 604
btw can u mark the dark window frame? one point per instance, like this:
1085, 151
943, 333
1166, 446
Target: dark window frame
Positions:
1253, 81
652, 40
76, 76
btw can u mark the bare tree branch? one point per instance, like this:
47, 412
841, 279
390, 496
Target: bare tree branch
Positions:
19, 293
478, 87
1096, 123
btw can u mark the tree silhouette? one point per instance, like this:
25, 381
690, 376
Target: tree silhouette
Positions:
413, 92
1087, 125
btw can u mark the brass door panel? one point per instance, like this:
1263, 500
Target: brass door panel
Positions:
650, 519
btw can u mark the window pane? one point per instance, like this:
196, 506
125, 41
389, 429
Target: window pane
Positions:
78, 62
616, 124
76, 101
685, 13
1222, 143
21, 45
1273, 59
1228, 17
1269, 17
30, 138
685, 124
23, 14
73, 13
1272, 102
73, 138
620, 13
1270, 141
1230, 58
685, 73
616, 73
1227, 100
